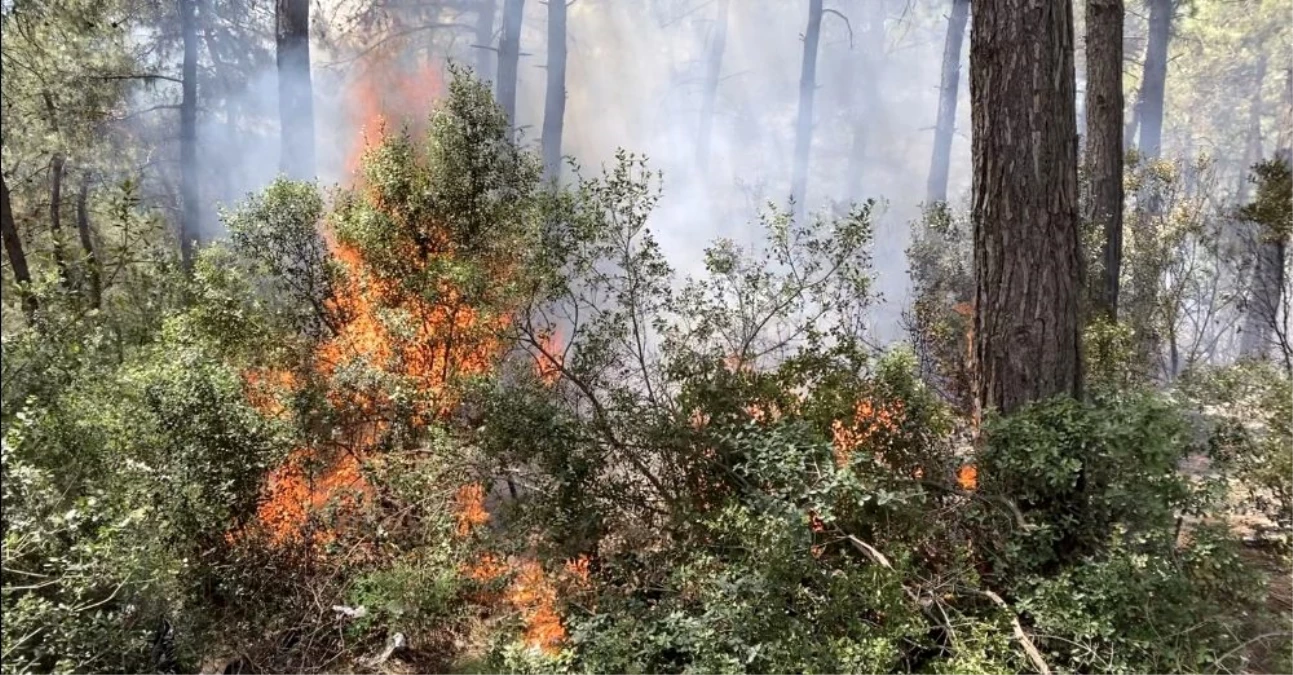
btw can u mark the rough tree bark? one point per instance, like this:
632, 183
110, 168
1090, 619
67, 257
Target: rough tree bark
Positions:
945, 127
554, 107
485, 39
1026, 234
709, 95
1104, 153
509, 57
1153, 84
93, 272
1266, 292
13, 249
189, 191
804, 122
295, 90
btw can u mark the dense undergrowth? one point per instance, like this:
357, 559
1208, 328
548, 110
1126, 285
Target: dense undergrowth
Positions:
454, 404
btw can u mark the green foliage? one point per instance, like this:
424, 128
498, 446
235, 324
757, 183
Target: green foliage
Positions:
114, 491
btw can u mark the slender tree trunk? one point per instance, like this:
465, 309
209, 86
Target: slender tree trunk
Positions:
509, 57
57, 169
1133, 122
13, 249
93, 272
295, 90
1253, 148
1104, 154
485, 55
554, 108
709, 95
1026, 233
804, 123
189, 191
945, 127
1154, 83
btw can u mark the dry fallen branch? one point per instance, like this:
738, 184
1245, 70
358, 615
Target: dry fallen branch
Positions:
1029, 648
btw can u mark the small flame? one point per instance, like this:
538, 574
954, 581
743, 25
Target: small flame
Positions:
869, 422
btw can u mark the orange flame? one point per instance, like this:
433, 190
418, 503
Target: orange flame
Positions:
548, 362
869, 422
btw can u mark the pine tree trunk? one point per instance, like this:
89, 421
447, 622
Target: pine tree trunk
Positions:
804, 123
509, 57
295, 90
1104, 153
554, 109
1266, 295
945, 127
93, 272
57, 169
1026, 234
13, 250
709, 95
1154, 83
191, 213
485, 54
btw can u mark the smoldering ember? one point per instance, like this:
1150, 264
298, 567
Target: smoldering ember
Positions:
646, 336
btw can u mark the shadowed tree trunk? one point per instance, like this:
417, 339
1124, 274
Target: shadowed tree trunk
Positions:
57, 168
13, 250
1153, 84
945, 127
554, 108
295, 91
1270, 220
804, 123
190, 215
509, 57
93, 273
1104, 153
713, 68
1026, 235
485, 54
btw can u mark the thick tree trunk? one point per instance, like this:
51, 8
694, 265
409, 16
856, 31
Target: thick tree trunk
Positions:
1266, 294
93, 272
191, 213
1104, 154
13, 250
804, 123
295, 90
554, 108
945, 127
1026, 234
1153, 84
709, 95
509, 57
485, 54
